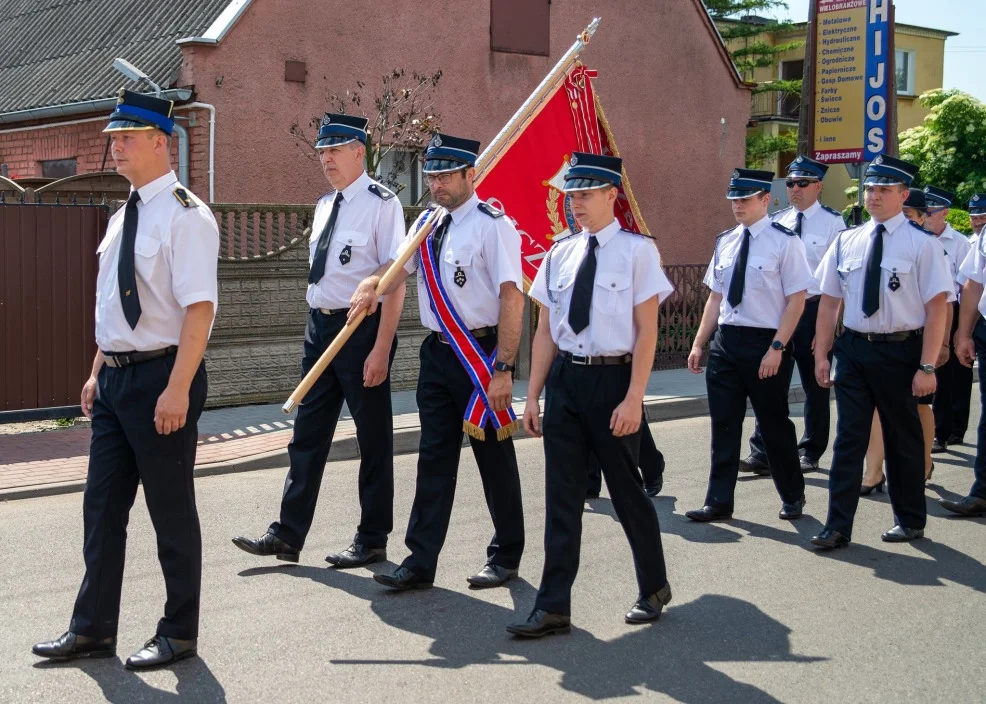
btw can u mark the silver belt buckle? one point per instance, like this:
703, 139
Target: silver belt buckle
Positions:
580, 359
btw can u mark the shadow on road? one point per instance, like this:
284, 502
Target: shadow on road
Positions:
195, 681
671, 656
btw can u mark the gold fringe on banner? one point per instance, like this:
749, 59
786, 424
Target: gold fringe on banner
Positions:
626, 179
473, 431
507, 430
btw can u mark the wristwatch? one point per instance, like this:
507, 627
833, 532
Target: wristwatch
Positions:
777, 345
502, 366
928, 368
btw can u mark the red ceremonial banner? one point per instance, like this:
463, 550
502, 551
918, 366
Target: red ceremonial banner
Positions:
526, 181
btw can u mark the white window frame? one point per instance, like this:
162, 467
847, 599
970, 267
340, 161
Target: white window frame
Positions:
911, 54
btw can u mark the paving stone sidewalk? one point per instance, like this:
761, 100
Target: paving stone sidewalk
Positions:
245, 438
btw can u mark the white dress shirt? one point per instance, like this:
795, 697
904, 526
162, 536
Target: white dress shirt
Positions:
818, 231
776, 267
371, 227
973, 268
176, 255
487, 250
628, 272
910, 252
956, 248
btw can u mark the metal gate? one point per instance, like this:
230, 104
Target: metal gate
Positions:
48, 267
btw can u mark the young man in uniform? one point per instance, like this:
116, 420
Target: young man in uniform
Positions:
970, 343
599, 291
156, 296
816, 225
892, 281
357, 227
470, 297
758, 279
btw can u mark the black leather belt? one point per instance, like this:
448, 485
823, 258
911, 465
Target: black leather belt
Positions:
586, 361
477, 333
125, 359
332, 311
902, 336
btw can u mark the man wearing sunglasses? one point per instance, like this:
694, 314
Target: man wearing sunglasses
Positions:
816, 225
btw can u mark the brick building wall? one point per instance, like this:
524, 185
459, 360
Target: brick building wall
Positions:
23, 149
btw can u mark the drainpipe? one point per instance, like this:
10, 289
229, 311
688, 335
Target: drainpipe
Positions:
212, 143
182, 153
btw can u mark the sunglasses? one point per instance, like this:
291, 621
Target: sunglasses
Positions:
800, 183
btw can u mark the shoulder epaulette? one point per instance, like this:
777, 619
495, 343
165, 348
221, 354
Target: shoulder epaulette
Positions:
490, 210
724, 233
831, 210
184, 198
780, 212
786, 230
639, 234
562, 239
380, 192
924, 230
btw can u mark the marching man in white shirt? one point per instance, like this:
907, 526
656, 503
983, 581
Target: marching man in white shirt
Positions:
357, 227
599, 291
758, 279
156, 296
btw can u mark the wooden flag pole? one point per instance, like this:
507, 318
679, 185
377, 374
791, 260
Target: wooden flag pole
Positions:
499, 146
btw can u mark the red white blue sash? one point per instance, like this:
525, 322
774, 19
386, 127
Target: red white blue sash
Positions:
474, 360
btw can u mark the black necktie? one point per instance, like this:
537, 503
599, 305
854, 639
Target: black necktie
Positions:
871, 284
738, 282
799, 223
585, 279
322, 248
438, 236
125, 274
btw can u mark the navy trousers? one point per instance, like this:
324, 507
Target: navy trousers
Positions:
125, 450
444, 389
315, 425
868, 376
579, 401
815, 440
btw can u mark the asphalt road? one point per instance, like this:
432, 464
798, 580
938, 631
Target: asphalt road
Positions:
757, 615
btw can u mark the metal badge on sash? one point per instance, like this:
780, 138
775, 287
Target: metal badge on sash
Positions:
894, 282
346, 255
460, 277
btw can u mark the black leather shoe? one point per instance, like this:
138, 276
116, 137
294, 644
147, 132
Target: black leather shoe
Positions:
70, 646
938, 446
160, 651
808, 464
266, 545
541, 623
900, 534
829, 539
971, 506
654, 488
756, 465
402, 579
709, 513
356, 555
491, 576
649, 608
955, 440
791, 511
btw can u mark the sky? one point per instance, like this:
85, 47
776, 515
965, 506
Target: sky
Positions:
965, 55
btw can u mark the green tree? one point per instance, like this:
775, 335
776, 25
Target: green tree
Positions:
745, 30
950, 147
